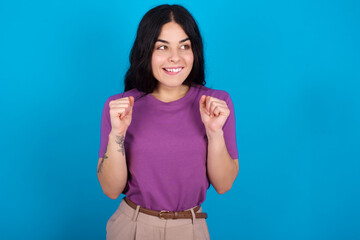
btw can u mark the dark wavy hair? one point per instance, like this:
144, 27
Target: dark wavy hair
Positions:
139, 74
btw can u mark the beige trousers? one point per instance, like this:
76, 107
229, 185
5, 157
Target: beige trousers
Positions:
130, 224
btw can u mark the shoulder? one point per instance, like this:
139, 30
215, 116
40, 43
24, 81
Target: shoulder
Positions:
217, 93
132, 92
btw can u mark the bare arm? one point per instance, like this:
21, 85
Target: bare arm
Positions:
112, 168
222, 169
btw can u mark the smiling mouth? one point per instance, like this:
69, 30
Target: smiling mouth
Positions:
173, 70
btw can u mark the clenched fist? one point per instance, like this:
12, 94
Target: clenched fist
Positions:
121, 114
214, 112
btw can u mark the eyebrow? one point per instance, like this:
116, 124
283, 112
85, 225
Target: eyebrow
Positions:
164, 41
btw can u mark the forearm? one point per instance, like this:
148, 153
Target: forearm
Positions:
222, 169
112, 168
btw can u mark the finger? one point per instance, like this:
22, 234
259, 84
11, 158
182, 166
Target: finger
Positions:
217, 111
118, 101
121, 110
202, 101
202, 104
122, 114
119, 105
132, 101
117, 111
213, 105
125, 106
128, 101
208, 102
125, 113
222, 110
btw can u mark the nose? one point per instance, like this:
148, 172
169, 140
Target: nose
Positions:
174, 56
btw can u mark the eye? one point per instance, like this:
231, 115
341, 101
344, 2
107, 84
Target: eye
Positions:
162, 47
185, 47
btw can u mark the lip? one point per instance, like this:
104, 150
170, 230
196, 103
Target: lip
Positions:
174, 72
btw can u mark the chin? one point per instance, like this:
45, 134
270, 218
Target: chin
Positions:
171, 82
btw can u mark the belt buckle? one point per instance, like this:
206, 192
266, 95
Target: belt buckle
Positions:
161, 212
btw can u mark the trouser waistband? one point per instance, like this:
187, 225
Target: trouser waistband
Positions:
168, 214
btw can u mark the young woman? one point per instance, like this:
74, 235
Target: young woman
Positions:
167, 136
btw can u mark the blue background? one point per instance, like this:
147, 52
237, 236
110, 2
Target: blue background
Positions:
291, 68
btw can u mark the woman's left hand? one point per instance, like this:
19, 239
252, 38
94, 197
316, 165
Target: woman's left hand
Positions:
214, 113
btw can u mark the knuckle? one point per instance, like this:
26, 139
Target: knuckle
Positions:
116, 110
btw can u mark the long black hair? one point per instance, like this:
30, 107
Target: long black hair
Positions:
139, 74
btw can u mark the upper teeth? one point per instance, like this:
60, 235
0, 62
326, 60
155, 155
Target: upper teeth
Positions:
173, 69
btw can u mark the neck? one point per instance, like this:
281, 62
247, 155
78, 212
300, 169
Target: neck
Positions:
169, 94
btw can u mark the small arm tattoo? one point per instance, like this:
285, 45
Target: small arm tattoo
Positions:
120, 141
102, 161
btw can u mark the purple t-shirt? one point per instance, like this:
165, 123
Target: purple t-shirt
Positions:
166, 148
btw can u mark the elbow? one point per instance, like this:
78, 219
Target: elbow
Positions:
223, 189
112, 195
224, 185
111, 191
224, 180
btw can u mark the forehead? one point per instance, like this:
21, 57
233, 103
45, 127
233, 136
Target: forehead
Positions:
172, 32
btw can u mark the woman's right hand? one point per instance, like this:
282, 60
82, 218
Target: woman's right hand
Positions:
121, 114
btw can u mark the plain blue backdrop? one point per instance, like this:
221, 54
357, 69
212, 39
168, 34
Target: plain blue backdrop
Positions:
291, 68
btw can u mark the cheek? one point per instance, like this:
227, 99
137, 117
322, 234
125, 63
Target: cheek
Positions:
154, 64
156, 61
189, 59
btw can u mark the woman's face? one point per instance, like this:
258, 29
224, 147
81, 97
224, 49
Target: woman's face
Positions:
172, 58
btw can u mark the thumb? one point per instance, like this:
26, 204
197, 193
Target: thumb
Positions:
202, 102
132, 100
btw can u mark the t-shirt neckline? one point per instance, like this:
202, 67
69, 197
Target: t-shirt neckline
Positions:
172, 103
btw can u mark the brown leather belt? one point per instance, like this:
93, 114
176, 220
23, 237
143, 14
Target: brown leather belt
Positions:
167, 214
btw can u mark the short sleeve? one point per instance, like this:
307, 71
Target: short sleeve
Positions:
229, 130
104, 129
